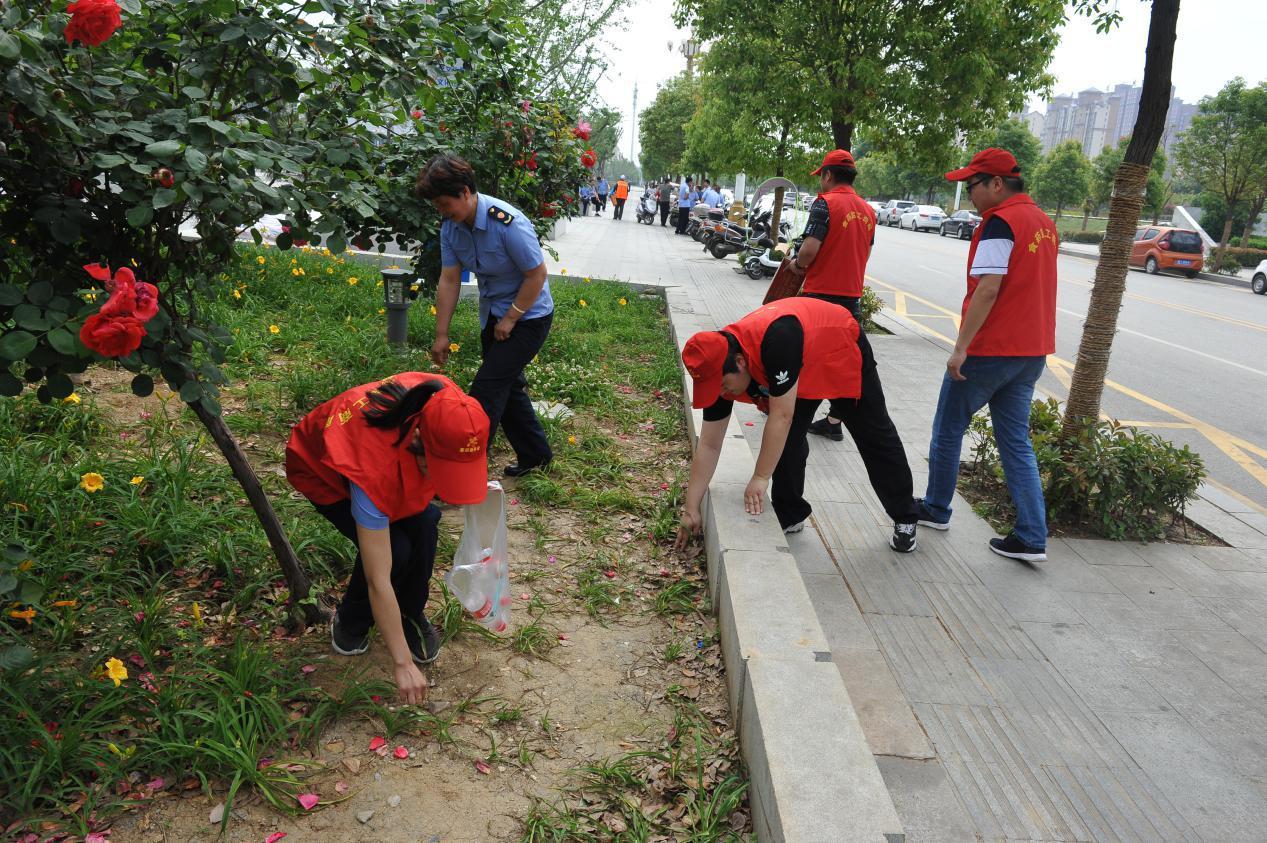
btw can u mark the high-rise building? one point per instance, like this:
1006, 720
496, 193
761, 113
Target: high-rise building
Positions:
1096, 119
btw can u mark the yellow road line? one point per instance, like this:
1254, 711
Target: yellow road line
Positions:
1232, 446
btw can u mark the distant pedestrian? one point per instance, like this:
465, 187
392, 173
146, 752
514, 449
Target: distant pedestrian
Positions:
833, 260
711, 197
587, 195
665, 197
684, 204
600, 191
496, 242
619, 197
1006, 331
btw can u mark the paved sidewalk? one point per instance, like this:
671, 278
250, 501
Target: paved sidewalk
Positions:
1119, 692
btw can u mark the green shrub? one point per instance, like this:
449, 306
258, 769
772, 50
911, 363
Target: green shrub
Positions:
1245, 257
1230, 266
1118, 482
1081, 236
871, 304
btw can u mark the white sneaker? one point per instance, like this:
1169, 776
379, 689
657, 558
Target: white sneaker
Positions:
795, 528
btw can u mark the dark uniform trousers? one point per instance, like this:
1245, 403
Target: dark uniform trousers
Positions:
413, 557
664, 213
683, 216
500, 383
873, 432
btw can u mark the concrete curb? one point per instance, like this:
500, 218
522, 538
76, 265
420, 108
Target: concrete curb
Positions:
1226, 280
1214, 511
812, 774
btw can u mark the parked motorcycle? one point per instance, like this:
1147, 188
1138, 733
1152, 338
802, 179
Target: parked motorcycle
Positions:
647, 208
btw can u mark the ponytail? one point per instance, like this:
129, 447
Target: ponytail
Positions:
392, 405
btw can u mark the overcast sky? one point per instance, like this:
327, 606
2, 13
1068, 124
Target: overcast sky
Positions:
1218, 39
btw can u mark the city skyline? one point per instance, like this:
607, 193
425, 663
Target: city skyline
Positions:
1100, 118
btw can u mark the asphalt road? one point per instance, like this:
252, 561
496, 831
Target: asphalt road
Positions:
1189, 361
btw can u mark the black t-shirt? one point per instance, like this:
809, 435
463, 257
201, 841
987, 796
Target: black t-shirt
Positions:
782, 355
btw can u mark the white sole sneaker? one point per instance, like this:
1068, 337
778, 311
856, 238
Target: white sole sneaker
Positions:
795, 528
943, 526
1032, 558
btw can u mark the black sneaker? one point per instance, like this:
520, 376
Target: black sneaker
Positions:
345, 643
824, 427
423, 640
1013, 548
927, 519
903, 538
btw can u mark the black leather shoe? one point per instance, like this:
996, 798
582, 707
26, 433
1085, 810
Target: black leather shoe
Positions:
517, 470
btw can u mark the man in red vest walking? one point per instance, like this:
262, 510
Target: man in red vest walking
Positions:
785, 357
1007, 329
833, 262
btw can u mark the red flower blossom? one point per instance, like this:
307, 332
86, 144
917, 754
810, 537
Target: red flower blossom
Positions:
416, 114
92, 22
588, 158
582, 131
165, 177
116, 336
547, 209
531, 163
128, 296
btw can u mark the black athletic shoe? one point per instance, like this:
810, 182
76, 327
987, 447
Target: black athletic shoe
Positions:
927, 519
823, 427
423, 640
517, 470
1013, 548
903, 538
346, 644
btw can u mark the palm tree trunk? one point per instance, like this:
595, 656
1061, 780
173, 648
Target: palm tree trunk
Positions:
1086, 388
296, 579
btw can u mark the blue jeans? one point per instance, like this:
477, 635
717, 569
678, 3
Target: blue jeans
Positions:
1006, 384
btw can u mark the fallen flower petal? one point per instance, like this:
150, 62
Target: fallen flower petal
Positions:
308, 800
155, 784
341, 787
274, 837
482, 767
377, 743
308, 668
400, 752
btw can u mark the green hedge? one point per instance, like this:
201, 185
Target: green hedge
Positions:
1081, 236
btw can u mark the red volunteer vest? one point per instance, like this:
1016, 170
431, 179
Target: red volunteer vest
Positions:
1022, 322
832, 363
841, 264
334, 444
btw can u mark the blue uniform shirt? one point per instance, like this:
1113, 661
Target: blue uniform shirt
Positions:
711, 198
602, 187
499, 251
586, 192
683, 192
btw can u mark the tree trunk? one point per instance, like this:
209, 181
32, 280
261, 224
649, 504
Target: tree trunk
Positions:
1087, 385
842, 133
1058, 209
780, 156
1222, 250
1086, 218
300, 587
1255, 211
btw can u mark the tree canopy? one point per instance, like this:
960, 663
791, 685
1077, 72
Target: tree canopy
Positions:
662, 125
1062, 179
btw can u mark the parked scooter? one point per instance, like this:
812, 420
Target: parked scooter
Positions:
763, 261
647, 207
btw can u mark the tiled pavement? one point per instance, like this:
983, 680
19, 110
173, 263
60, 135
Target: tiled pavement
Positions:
1119, 692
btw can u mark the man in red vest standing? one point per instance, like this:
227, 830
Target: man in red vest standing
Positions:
833, 262
785, 357
1007, 329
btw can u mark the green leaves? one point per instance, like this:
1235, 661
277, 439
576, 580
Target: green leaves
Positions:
139, 216
10, 47
165, 149
16, 345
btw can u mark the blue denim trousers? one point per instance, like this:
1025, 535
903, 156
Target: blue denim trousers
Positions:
1006, 384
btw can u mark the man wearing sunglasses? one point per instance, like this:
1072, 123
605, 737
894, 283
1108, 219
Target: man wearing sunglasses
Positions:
1007, 328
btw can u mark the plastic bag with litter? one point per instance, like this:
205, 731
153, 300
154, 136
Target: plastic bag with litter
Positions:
480, 577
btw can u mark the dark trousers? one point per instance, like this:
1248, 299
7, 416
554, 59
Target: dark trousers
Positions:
867, 420
585, 207
664, 213
787, 484
619, 209
683, 214
600, 202
413, 557
500, 383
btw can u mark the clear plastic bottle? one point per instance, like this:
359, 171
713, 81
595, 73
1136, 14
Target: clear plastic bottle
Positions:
474, 586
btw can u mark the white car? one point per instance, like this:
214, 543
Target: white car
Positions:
922, 218
1259, 282
876, 206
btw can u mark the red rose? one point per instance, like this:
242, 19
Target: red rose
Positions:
146, 301
588, 158
532, 162
416, 114
92, 22
165, 177
582, 131
547, 209
116, 336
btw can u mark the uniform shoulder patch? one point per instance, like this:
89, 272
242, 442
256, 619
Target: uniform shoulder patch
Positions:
501, 215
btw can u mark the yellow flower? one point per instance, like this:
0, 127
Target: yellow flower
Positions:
379, 284
90, 297
623, 302
26, 564
92, 482
137, 480
295, 272
453, 346
237, 294
433, 310
273, 329
260, 260
73, 398
587, 280
116, 670
294, 261
329, 270
24, 615
381, 311
563, 272
584, 303
571, 440
66, 604
353, 281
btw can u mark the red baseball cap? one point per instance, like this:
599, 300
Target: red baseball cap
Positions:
454, 433
835, 158
703, 356
987, 162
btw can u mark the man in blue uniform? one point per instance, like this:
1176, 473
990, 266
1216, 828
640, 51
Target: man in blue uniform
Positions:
496, 242
684, 204
601, 190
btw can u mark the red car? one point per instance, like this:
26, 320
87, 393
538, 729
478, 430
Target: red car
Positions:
1158, 248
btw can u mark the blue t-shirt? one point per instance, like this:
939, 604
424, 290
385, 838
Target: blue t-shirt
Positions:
711, 198
365, 512
602, 187
499, 248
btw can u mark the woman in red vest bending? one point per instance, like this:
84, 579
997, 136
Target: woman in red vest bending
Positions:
371, 460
